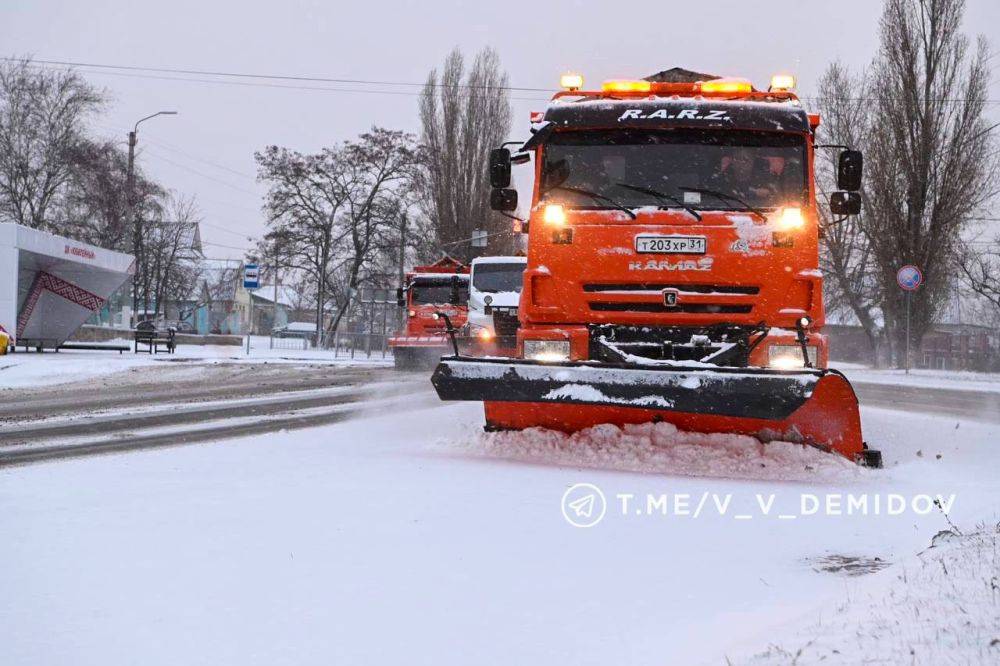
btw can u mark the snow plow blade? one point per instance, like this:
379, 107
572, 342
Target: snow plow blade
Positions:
809, 406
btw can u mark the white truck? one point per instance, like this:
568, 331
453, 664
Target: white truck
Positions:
494, 292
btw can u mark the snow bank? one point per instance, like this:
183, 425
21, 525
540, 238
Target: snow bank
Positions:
660, 448
26, 369
941, 606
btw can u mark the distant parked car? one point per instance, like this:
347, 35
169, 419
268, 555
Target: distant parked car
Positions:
4, 341
177, 325
298, 329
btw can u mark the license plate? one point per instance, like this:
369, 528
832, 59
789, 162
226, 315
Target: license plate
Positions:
651, 244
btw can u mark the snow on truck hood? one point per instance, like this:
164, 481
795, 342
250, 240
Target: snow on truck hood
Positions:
501, 299
499, 260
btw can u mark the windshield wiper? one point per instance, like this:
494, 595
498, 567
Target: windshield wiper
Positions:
662, 197
593, 195
727, 197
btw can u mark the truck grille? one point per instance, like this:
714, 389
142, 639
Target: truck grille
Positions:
691, 298
701, 308
505, 322
748, 290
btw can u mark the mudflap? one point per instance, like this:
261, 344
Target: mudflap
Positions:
417, 358
809, 406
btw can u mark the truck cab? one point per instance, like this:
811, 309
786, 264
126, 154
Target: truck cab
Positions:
673, 221
494, 292
431, 297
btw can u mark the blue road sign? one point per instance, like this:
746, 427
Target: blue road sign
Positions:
909, 277
251, 276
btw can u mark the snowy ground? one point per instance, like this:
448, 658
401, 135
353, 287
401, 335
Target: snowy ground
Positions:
408, 536
30, 369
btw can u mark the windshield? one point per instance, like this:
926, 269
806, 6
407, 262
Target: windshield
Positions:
762, 169
494, 278
438, 291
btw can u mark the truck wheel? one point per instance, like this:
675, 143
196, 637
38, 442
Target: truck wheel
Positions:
402, 358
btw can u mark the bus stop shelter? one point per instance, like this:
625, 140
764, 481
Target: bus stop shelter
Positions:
50, 285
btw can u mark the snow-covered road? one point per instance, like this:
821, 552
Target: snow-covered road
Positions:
407, 536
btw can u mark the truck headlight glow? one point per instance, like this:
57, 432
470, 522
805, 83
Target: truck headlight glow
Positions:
484, 334
554, 214
789, 357
547, 351
791, 218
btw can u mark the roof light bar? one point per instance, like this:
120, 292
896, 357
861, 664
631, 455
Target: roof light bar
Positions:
726, 87
571, 82
782, 82
626, 85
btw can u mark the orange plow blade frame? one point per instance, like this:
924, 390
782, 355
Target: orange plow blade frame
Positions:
813, 407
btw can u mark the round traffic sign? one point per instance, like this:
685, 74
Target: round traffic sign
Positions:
909, 277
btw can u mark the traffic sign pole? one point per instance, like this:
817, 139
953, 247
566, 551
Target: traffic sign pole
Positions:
909, 296
250, 324
251, 281
909, 278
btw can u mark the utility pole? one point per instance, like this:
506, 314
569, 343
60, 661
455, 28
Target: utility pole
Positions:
402, 247
136, 222
130, 206
400, 315
274, 312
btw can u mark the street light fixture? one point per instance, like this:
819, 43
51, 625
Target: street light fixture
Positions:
130, 201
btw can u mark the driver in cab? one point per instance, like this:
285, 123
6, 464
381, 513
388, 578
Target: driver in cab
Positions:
745, 175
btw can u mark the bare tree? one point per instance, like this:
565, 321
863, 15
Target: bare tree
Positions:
306, 196
379, 171
845, 255
930, 161
980, 270
42, 113
93, 205
463, 117
328, 211
172, 248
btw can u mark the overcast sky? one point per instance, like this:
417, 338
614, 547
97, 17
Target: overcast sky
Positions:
207, 150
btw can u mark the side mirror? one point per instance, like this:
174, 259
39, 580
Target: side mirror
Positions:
400, 299
504, 199
849, 169
456, 287
845, 203
500, 167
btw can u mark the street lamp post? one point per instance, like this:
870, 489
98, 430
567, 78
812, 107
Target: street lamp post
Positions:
130, 201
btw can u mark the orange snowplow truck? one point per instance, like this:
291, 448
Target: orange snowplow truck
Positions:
432, 296
672, 268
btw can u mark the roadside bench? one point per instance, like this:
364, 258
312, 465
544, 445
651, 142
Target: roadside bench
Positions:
154, 339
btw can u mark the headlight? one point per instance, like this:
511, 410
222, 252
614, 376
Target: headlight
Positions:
787, 357
547, 351
482, 332
554, 214
791, 218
